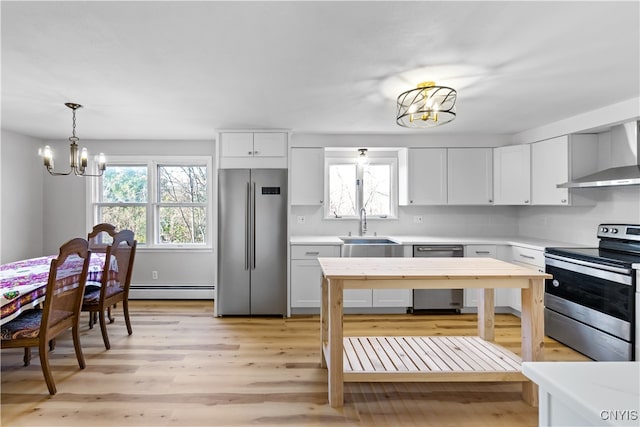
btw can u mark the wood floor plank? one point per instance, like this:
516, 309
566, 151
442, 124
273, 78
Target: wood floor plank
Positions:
184, 367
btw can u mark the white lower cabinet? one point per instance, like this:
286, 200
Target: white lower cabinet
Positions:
392, 298
306, 274
501, 296
526, 257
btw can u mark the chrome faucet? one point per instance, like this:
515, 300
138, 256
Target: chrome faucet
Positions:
363, 221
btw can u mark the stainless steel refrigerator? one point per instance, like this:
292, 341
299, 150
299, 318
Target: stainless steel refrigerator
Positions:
252, 242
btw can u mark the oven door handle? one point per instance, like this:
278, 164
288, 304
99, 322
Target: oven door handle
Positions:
581, 267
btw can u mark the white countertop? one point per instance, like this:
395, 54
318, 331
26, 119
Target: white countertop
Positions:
591, 388
529, 242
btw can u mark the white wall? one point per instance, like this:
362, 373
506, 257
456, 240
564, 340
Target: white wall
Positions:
66, 201
437, 221
21, 224
578, 224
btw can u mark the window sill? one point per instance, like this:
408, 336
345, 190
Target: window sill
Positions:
355, 218
175, 249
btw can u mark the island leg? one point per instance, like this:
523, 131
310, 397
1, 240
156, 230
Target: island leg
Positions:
486, 314
323, 321
532, 325
335, 344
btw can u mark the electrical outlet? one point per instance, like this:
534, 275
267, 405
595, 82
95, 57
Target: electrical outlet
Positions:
301, 219
417, 219
154, 275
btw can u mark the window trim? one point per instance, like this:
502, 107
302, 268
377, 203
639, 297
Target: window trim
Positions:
152, 204
380, 157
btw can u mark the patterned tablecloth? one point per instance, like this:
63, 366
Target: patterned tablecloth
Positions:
23, 283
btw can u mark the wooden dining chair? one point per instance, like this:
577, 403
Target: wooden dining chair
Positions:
101, 236
61, 311
115, 284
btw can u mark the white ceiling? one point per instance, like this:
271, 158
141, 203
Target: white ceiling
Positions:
181, 70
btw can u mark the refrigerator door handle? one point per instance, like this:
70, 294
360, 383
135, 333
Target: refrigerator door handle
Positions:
246, 226
253, 231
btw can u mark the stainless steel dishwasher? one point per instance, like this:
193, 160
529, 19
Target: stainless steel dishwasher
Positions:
437, 299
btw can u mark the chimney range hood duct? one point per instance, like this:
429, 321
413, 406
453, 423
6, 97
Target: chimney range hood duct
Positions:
623, 138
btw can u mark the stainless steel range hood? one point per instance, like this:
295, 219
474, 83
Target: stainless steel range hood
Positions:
625, 145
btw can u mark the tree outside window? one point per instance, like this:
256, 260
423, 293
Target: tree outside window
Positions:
352, 186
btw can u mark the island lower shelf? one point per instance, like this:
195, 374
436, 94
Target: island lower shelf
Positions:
427, 359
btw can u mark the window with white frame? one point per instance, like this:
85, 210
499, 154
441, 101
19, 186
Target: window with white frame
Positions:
351, 185
163, 200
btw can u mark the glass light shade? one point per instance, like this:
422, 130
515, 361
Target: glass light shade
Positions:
426, 106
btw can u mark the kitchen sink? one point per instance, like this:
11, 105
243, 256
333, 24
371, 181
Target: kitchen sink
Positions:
357, 247
367, 241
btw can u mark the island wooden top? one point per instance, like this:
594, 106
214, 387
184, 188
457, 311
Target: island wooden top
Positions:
428, 272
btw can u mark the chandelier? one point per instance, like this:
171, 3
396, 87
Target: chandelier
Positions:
426, 106
78, 159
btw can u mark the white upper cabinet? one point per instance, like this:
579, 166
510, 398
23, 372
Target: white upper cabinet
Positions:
558, 160
470, 176
512, 175
307, 176
253, 149
425, 182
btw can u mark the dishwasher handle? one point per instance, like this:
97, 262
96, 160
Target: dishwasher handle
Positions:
455, 251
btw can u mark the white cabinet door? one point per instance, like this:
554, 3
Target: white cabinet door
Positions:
266, 150
512, 175
550, 166
392, 297
558, 160
427, 181
471, 295
357, 298
529, 258
305, 283
269, 144
306, 273
470, 176
236, 144
307, 176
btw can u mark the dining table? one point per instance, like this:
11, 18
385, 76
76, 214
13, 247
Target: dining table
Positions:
434, 357
23, 283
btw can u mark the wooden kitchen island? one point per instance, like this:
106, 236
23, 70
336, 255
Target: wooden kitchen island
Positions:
433, 358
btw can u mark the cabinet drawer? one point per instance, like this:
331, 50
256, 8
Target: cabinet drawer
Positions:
527, 256
480, 251
313, 252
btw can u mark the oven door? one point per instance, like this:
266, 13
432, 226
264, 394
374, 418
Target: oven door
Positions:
602, 299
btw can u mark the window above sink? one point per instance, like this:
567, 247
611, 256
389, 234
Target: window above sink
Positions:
351, 185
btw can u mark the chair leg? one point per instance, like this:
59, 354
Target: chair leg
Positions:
125, 309
75, 331
52, 344
46, 369
111, 318
103, 327
92, 318
27, 356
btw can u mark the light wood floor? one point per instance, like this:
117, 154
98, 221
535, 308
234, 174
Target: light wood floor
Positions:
184, 367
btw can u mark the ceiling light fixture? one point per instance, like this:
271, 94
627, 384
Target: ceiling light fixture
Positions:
426, 106
362, 158
78, 160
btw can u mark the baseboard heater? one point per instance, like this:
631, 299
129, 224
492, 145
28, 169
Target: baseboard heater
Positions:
167, 291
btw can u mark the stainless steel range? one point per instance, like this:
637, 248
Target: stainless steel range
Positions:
590, 304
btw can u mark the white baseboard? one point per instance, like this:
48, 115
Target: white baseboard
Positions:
168, 291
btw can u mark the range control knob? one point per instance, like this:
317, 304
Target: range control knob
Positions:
604, 230
614, 230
